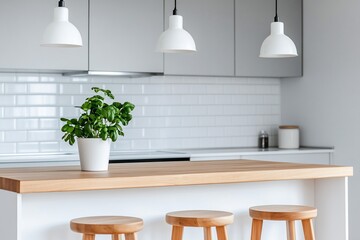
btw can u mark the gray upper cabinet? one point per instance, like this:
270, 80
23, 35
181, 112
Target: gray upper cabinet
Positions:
123, 35
211, 24
22, 23
253, 19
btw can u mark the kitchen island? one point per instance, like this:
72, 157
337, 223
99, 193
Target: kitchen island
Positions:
38, 203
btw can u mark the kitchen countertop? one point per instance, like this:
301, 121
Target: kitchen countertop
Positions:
213, 152
135, 175
159, 154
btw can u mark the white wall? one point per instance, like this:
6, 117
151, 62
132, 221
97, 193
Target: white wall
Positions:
171, 112
325, 102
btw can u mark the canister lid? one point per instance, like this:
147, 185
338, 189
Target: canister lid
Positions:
288, 127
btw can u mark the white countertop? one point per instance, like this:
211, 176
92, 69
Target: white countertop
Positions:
213, 152
40, 159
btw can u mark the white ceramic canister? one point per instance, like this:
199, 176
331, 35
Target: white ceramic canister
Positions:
289, 136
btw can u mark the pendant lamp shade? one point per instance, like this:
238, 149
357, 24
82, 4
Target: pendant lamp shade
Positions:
60, 32
175, 39
278, 45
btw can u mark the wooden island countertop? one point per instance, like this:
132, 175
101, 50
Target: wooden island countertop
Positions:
137, 175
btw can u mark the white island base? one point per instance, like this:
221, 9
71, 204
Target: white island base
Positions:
46, 216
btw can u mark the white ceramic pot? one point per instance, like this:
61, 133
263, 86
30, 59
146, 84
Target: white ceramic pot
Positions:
94, 154
288, 137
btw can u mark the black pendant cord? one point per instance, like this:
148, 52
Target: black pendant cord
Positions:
61, 3
276, 18
175, 10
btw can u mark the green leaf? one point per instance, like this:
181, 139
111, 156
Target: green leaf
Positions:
64, 128
70, 129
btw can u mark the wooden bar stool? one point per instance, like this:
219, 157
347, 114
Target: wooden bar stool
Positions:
112, 225
288, 213
199, 218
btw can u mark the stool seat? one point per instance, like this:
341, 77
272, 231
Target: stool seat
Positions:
288, 213
199, 218
106, 225
282, 212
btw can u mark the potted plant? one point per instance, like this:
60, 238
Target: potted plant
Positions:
99, 123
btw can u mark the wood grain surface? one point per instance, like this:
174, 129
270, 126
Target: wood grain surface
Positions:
159, 174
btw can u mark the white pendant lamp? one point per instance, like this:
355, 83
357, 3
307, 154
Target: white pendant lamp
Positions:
60, 32
277, 45
175, 39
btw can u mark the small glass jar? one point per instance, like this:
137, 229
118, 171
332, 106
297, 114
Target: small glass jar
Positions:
289, 136
263, 139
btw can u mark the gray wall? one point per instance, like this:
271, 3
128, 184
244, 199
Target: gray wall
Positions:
325, 102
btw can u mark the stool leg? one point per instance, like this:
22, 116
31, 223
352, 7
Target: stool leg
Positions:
308, 229
256, 229
221, 233
177, 233
116, 237
207, 233
290, 226
130, 236
88, 237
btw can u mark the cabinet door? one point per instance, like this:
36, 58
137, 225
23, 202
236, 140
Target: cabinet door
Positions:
252, 21
211, 24
22, 23
123, 35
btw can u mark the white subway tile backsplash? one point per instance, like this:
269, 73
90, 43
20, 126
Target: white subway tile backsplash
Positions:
42, 88
133, 89
140, 144
15, 136
44, 100
171, 112
70, 88
197, 110
42, 112
207, 100
216, 132
157, 89
7, 100
189, 121
26, 123
239, 99
223, 121
198, 132
7, 148
7, 77
255, 99
121, 145
215, 89
206, 121
27, 147
198, 89
43, 135
15, 88
49, 147
15, 112
191, 143
173, 122
7, 124
23, 77
190, 100
272, 99
181, 89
